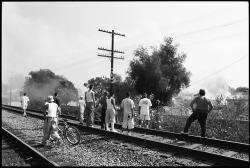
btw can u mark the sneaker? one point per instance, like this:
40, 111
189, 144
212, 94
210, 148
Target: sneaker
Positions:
114, 130
129, 133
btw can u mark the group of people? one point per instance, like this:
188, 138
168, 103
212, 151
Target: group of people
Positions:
109, 110
200, 112
52, 111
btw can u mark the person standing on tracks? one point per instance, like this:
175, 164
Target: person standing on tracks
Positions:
50, 122
104, 108
24, 103
144, 107
57, 99
128, 106
204, 106
82, 106
90, 105
110, 112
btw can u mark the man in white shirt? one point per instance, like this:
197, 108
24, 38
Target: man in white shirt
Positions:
50, 122
128, 113
144, 106
82, 106
24, 103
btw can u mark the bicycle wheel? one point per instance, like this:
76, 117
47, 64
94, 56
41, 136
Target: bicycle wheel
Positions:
72, 135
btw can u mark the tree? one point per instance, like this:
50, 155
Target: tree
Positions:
45, 82
102, 84
241, 89
161, 72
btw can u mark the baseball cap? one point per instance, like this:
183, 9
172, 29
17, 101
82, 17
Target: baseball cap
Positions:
50, 98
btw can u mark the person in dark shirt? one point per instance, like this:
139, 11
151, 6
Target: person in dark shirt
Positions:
204, 106
104, 108
57, 101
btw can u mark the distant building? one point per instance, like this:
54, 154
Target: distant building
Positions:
239, 102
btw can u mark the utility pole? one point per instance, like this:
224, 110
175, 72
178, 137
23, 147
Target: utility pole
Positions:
112, 54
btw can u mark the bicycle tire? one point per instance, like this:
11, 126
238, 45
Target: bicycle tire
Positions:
72, 134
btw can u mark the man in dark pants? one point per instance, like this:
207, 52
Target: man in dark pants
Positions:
104, 108
204, 106
90, 105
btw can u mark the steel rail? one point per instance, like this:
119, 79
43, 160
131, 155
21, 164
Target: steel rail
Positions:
221, 159
207, 141
28, 149
190, 138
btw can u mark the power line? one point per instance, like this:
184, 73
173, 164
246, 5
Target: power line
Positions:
215, 39
198, 31
210, 28
219, 70
72, 64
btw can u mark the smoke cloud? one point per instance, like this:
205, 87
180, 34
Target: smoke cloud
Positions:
215, 87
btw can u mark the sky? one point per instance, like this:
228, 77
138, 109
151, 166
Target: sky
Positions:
64, 37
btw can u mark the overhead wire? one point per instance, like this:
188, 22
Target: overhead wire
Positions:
219, 70
176, 36
212, 13
224, 37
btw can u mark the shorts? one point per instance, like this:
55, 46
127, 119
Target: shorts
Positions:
24, 106
128, 122
110, 116
144, 117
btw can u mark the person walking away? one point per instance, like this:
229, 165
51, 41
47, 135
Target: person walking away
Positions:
110, 113
24, 103
203, 107
104, 108
144, 107
50, 122
128, 106
82, 106
90, 105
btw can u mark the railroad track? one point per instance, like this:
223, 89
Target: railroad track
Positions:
16, 151
176, 143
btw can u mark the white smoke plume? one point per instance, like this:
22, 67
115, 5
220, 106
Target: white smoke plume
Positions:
215, 87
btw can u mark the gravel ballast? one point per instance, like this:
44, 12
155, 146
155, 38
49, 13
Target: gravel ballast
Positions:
93, 150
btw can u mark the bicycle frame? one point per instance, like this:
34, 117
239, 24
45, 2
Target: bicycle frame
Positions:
65, 126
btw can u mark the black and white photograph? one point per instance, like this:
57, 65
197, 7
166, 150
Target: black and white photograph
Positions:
125, 83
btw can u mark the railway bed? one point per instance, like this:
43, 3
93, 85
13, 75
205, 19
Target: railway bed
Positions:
175, 143
15, 152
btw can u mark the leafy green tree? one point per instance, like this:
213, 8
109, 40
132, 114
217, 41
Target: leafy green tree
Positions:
161, 72
45, 82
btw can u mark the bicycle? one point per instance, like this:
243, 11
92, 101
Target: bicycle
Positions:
69, 132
